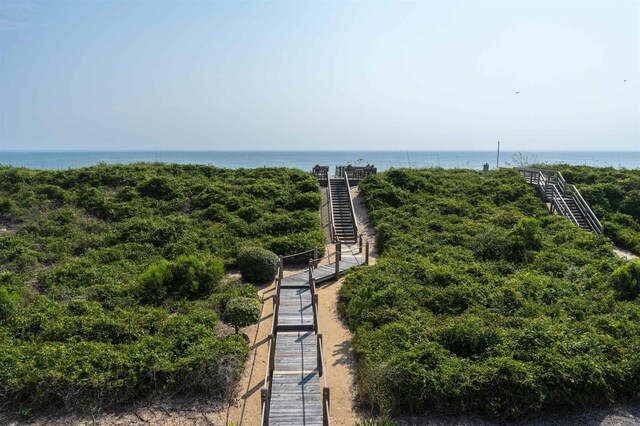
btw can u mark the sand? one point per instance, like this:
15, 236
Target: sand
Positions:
624, 253
338, 355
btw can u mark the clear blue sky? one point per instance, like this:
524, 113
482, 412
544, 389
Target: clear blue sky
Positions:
302, 75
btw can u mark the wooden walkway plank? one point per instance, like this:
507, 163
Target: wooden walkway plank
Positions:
295, 307
295, 396
295, 400
296, 351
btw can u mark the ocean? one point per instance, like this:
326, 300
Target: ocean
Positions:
305, 160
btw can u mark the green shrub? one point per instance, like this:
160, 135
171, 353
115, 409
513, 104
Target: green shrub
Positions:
160, 187
8, 303
257, 265
626, 280
187, 277
481, 301
110, 286
242, 312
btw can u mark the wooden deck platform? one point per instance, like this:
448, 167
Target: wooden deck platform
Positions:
295, 392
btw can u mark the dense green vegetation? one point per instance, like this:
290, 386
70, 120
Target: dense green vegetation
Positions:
482, 301
111, 277
257, 264
614, 196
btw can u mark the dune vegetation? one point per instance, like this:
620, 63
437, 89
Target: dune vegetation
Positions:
112, 278
483, 302
614, 196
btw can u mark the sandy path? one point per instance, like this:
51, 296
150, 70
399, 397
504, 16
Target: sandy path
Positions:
338, 355
365, 228
624, 253
247, 409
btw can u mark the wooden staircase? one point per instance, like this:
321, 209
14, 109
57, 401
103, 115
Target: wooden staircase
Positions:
343, 223
563, 198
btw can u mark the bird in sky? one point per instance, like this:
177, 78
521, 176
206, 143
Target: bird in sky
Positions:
517, 93
625, 81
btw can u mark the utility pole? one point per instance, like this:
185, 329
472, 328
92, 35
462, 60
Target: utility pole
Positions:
498, 157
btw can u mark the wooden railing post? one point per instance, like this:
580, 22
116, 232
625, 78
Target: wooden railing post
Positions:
319, 354
366, 254
278, 285
360, 244
310, 271
281, 263
338, 256
272, 353
264, 397
326, 403
314, 306
315, 257
275, 310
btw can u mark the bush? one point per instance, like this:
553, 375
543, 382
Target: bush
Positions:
257, 265
242, 312
187, 277
8, 303
160, 187
130, 259
626, 280
481, 301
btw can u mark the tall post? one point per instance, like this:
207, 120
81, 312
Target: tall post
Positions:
310, 272
366, 254
338, 256
264, 396
281, 263
360, 244
319, 349
315, 257
272, 353
314, 305
275, 311
326, 403
498, 157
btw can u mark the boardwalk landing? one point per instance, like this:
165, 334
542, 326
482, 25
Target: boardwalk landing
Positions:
296, 392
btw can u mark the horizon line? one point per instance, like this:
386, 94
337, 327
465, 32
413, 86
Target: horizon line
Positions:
307, 150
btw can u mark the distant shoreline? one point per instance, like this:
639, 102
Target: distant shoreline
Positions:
305, 160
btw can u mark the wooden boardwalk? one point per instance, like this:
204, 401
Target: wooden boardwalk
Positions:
293, 393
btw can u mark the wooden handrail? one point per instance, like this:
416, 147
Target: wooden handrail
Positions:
320, 352
325, 389
353, 211
332, 229
264, 395
555, 180
588, 214
299, 254
558, 201
326, 419
271, 349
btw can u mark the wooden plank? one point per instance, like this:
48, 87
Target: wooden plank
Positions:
295, 400
296, 351
295, 307
296, 397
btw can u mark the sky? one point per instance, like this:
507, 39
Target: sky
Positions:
242, 75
